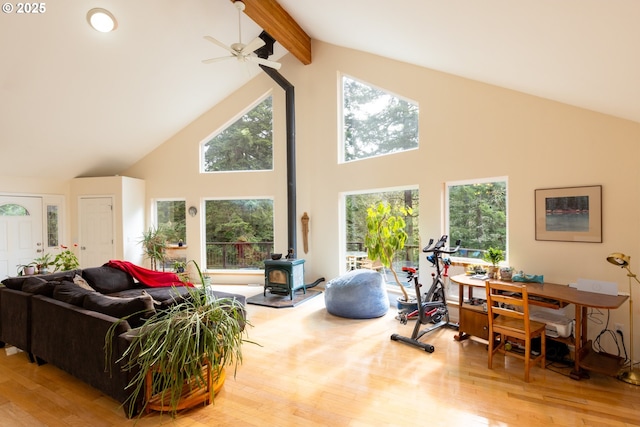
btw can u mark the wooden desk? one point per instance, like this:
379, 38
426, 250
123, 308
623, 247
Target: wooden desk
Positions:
473, 319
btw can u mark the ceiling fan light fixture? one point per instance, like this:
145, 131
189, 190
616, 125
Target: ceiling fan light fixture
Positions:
244, 52
239, 5
102, 20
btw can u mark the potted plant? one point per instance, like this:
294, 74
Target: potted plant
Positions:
43, 262
493, 256
66, 260
178, 355
179, 266
27, 269
385, 236
154, 244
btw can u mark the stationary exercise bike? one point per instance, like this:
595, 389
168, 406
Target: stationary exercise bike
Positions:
432, 305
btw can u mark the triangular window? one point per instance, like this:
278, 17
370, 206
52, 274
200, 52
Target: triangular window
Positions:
376, 122
244, 145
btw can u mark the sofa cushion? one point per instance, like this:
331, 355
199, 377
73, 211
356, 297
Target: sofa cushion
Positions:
38, 286
165, 297
138, 309
70, 293
60, 275
14, 283
107, 280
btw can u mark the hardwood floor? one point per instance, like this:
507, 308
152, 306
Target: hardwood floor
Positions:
315, 369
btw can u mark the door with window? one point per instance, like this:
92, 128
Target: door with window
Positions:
21, 237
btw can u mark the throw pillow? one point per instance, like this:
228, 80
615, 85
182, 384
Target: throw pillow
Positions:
38, 286
14, 283
136, 310
60, 275
70, 293
107, 280
78, 280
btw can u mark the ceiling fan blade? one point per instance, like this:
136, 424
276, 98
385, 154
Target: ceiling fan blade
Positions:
254, 44
265, 62
212, 60
219, 43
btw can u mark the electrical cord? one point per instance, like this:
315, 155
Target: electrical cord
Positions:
606, 332
593, 312
624, 347
563, 367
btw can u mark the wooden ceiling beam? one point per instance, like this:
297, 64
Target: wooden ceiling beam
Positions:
276, 21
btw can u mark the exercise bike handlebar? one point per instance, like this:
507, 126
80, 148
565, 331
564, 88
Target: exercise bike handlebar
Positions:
439, 247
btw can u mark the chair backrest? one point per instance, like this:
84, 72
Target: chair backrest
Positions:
508, 299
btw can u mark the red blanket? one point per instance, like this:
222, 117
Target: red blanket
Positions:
148, 277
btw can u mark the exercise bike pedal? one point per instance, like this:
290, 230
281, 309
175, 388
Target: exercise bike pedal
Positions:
402, 317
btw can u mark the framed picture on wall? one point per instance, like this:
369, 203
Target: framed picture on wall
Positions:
569, 214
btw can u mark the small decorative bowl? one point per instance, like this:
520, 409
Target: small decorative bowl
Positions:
276, 257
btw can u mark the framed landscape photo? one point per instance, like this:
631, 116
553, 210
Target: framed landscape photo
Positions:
569, 214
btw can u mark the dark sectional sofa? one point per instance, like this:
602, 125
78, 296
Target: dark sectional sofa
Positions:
57, 321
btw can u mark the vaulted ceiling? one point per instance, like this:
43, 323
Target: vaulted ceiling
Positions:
76, 102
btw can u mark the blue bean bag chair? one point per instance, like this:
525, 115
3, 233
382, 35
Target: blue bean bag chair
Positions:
358, 294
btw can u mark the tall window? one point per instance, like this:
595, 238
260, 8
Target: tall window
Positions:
245, 145
52, 226
356, 222
239, 233
376, 122
477, 215
170, 216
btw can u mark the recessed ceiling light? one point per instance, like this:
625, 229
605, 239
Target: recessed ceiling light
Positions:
102, 20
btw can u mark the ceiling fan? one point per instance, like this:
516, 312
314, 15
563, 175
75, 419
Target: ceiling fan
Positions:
243, 52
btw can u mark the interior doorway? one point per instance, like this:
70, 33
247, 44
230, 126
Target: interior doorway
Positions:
96, 231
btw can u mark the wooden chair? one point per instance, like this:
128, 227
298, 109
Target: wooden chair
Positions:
508, 314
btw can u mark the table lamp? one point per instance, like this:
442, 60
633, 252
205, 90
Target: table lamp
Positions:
631, 375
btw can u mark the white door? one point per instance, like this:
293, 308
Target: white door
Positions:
21, 237
96, 231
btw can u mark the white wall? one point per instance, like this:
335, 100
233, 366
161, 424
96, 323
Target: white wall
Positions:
133, 219
128, 210
467, 130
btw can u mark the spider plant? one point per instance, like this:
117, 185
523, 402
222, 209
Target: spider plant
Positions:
175, 344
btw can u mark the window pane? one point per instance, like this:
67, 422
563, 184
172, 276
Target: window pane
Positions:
246, 145
239, 233
376, 122
356, 223
11, 209
52, 226
478, 217
170, 217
